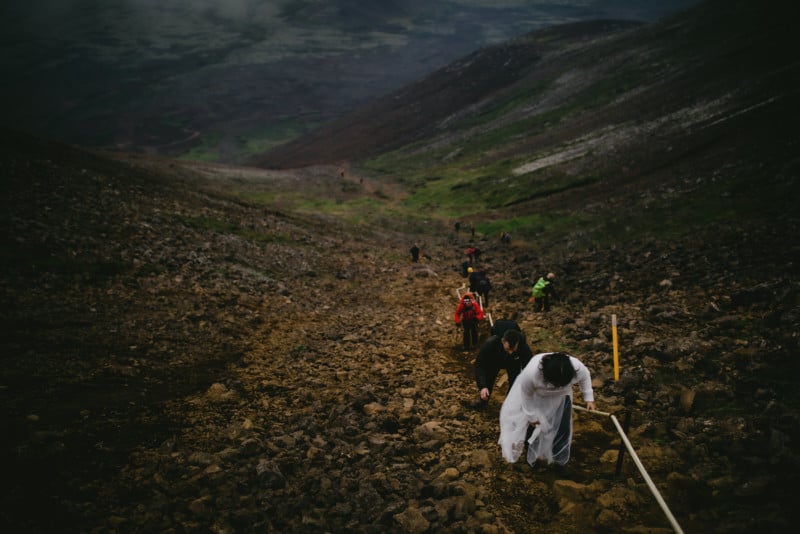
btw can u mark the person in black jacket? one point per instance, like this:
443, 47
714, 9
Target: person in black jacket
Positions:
509, 351
479, 284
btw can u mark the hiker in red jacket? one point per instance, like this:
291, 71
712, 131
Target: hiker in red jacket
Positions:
468, 313
470, 252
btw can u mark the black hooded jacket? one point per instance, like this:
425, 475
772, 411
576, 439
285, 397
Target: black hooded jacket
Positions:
492, 357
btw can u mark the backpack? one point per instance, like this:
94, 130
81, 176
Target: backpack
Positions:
501, 325
484, 285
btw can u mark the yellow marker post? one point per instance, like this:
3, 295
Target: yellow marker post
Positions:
616, 348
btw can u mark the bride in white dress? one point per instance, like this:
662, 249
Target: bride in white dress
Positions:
542, 396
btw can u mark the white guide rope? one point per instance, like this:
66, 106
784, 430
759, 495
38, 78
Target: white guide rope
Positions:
639, 465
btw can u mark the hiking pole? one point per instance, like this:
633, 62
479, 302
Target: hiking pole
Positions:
653, 489
616, 346
458, 290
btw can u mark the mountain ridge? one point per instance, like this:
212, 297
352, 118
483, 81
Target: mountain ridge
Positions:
440, 95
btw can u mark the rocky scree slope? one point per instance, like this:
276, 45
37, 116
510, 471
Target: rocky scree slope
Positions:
180, 359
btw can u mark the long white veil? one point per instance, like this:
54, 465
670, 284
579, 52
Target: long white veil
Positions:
548, 413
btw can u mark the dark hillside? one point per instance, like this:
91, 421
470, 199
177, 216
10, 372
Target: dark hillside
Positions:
558, 86
417, 111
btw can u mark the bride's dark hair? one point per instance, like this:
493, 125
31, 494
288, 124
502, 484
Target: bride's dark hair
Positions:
557, 369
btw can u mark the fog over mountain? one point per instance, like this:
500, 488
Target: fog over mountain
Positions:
223, 80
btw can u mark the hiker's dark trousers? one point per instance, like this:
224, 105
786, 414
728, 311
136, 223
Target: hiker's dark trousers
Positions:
470, 333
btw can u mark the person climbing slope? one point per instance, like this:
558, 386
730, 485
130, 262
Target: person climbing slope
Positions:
543, 292
479, 284
508, 350
467, 314
414, 253
542, 397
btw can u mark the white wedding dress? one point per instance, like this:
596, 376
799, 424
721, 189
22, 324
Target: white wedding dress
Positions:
532, 401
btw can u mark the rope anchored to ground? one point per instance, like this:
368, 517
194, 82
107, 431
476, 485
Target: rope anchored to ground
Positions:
676, 527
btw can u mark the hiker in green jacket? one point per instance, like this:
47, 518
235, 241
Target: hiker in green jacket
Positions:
542, 292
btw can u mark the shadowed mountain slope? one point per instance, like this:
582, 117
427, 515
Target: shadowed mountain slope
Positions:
569, 85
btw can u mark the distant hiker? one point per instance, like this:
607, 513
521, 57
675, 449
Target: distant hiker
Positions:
458, 227
508, 351
474, 276
542, 397
468, 313
472, 230
477, 255
479, 284
470, 252
505, 238
415, 253
542, 292
465, 269
484, 286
